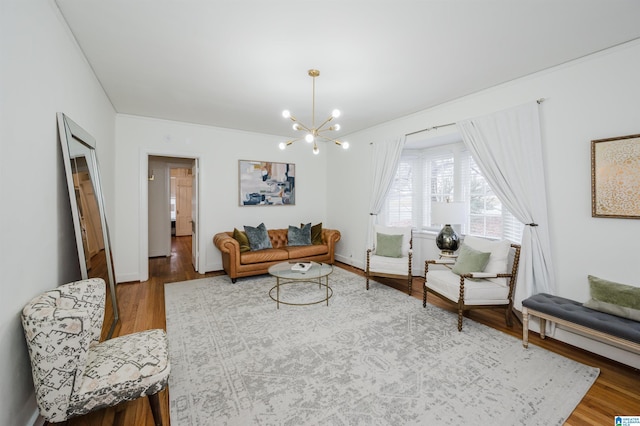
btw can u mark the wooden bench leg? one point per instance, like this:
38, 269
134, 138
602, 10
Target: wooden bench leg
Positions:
525, 327
543, 327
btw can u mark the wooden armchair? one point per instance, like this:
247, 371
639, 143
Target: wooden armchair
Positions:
491, 286
392, 254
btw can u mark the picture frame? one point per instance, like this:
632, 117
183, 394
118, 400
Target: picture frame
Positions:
266, 183
615, 177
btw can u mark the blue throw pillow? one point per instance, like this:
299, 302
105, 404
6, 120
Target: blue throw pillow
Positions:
299, 236
258, 237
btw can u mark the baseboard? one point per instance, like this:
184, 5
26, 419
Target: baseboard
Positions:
213, 266
127, 278
349, 261
36, 419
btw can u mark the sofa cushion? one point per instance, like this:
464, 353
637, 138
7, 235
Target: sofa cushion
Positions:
297, 252
299, 236
242, 239
265, 255
258, 237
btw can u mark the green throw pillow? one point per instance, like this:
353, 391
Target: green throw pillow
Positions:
242, 239
316, 234
299, 236
470, 260
389, 245
614, 298
258, 237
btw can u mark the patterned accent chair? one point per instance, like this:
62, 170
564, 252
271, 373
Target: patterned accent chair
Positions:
73, 372
391, 255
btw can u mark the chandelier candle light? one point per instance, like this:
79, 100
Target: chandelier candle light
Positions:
314, 133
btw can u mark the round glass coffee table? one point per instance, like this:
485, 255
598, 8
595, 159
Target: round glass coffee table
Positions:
285, 275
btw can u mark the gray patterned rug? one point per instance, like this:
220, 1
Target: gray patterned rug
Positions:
372, 357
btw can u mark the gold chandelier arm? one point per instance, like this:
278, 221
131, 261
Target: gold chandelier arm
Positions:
325, 122
302, 126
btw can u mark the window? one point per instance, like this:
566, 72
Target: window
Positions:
447, 172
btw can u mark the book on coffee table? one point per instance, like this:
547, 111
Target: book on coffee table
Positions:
301, 266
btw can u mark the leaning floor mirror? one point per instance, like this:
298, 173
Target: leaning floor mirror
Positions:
88, 211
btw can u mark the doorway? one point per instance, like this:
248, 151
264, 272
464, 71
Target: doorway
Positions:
172, 204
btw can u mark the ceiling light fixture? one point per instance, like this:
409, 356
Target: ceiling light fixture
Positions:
314, 133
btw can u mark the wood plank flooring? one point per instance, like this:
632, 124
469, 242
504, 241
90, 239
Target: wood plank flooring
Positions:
616, 391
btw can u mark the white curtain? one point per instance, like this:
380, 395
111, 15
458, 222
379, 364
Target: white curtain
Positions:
507, 147
384, 163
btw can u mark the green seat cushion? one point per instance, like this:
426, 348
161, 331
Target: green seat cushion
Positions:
388, 245
470, 260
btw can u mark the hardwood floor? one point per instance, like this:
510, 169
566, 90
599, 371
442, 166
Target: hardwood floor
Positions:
616, 391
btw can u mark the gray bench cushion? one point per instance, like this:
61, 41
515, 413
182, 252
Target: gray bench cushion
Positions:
573, 311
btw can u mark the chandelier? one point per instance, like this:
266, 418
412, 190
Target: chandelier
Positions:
313, 133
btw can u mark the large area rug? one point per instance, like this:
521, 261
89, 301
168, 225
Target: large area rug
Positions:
372, 357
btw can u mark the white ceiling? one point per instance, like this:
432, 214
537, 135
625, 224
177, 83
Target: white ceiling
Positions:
239, 63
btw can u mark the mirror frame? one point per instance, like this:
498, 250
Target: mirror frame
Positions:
74, 138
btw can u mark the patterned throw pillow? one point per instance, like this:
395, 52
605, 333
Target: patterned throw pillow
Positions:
299, 236
258, 237
242, 239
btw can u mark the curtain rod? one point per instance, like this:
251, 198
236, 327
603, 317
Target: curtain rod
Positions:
539, 101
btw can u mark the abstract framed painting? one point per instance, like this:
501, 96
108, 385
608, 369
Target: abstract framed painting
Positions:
615, 177
265, 183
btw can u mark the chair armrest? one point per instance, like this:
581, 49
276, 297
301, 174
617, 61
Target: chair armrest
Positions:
485, 275
482, 275
446, 261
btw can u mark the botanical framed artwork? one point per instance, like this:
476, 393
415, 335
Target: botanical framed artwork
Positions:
615, 177
264, 183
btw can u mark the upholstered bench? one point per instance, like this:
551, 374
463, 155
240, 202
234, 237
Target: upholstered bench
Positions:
571, 314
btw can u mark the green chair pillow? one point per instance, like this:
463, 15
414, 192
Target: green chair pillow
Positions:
389, 245
470, 260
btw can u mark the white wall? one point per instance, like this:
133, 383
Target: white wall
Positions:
592, 98
43, 72
160, 217
218, 151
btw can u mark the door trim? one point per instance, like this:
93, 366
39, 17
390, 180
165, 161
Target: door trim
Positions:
143, 219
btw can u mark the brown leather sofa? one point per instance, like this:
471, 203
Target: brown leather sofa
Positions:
249, 263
